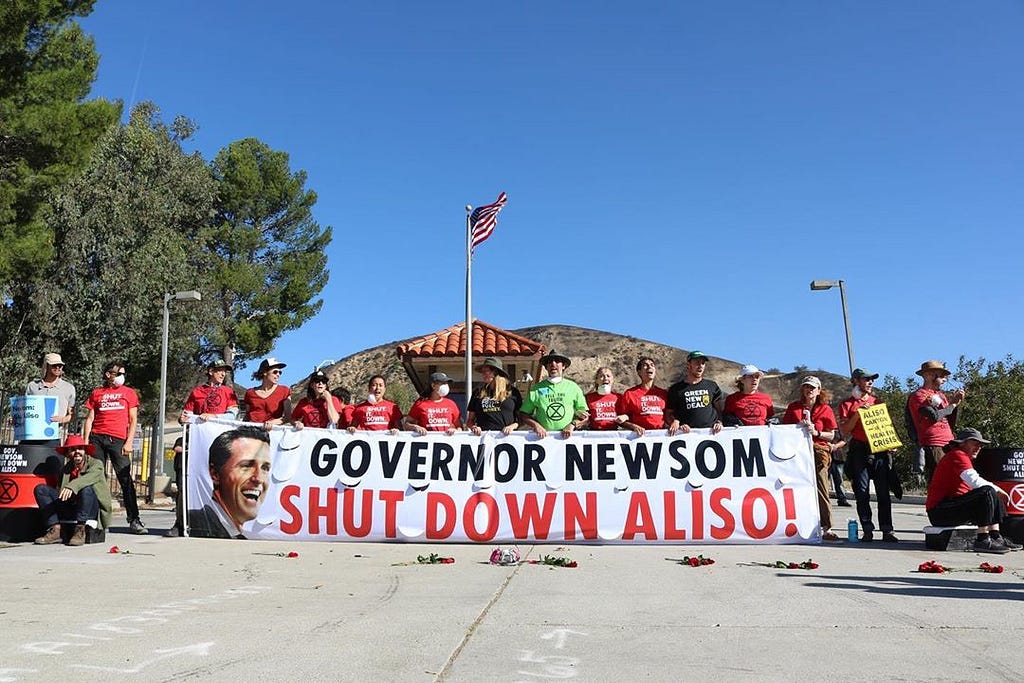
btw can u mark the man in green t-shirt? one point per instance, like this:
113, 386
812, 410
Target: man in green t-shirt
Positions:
555, 403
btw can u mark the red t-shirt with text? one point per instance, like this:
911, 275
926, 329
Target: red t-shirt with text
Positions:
603, 410
644, 407
376, 417
110, 408
435, 416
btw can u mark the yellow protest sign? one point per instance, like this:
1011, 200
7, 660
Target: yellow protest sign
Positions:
878, 428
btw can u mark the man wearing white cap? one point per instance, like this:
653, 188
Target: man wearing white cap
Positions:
52, 383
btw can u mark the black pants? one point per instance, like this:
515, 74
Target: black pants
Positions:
865, 467
981, 506
109, 447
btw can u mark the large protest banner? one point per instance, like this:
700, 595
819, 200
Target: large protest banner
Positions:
743, 485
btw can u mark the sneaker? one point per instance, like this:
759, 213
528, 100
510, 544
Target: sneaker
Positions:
1008, 544
990, 545
830, 537
51, 536
173, 532
843, 503
889, 537
868, 537
137, 527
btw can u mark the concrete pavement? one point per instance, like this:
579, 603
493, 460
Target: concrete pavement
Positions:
212, 610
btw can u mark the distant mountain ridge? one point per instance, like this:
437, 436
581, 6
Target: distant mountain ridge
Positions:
588, 349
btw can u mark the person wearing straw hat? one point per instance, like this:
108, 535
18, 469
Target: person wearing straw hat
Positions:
495, 406
83, 494
932, 415
555, 403
959, 495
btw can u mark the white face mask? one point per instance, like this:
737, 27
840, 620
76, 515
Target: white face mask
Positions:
857, 393
555, 380
604, 389
371, 398
443, 390
118, 380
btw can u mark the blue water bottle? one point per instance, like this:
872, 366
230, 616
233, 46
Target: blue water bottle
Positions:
851, 531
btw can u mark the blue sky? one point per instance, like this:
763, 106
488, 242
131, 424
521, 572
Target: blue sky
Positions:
678, 172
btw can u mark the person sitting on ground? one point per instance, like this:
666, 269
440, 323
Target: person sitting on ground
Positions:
495, 406
376, 413
319, 408
269, 404
555, 403
602, 402
959, 495
643, 407
83, 494
435, 412
749, 405
813, 412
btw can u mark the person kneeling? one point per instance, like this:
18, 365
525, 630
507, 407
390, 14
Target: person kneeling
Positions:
958, 495
83, 493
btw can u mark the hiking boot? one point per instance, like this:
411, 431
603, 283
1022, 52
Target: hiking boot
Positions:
51, 536
78, 538
868, 537
137, 527
1008, 544
989, 545
173, 532
889, 537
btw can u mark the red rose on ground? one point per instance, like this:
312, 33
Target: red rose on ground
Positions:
114, 549
292, 554
447, 560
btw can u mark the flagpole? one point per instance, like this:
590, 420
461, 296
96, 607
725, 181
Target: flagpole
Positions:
469, 310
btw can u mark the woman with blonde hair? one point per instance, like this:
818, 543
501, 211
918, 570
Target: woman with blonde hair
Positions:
813, 412
495, 407
602, 402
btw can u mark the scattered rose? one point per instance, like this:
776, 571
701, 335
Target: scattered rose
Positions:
114, 550
293, 554
697, 561
556, 561
779, 564
991, 568
931, 567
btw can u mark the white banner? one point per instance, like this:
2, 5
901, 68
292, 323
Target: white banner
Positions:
743, 485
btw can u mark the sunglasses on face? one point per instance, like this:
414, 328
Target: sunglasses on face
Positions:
275, 372
57, 365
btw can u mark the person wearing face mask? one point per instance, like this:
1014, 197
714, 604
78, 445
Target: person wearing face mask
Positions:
864, 466
602, 402
496, 404
435, 412
376, 413
110, 421
643, 406
319, 408
749, 405
555, 403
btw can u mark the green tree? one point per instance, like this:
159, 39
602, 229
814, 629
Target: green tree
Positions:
128, 230
995, 399
47, 128
269, 264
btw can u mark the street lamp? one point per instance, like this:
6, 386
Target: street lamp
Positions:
188, 295
817, 285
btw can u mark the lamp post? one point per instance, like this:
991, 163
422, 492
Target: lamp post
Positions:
188, 295
817, 285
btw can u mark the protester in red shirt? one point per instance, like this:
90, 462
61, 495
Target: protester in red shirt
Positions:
319, 408
376, 413
344, 397
643, 407
932, 414
436, 412
214, 398
749, 405
113, 413
864, 466
602, 402
269, 404
959, 495
813, 412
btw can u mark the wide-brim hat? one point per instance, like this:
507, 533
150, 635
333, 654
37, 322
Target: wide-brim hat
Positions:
970, 434
493, 364
554, 355
76, 441
270, 364
936, 365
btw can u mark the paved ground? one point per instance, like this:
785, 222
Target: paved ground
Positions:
199, 609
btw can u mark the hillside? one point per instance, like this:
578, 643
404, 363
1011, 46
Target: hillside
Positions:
588, 349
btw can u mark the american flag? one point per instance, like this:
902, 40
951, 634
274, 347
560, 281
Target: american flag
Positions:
484, 218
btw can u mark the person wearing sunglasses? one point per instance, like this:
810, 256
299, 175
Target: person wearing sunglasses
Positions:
270, 403
113, 414
52, 383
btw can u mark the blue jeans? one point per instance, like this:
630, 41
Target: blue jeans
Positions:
79, 508
835, 473
865, 468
